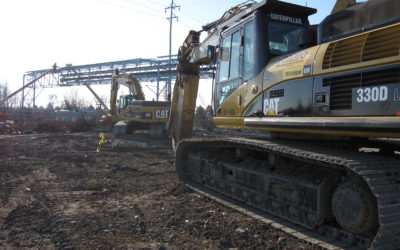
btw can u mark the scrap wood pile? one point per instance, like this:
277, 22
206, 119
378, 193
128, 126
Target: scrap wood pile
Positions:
8, 127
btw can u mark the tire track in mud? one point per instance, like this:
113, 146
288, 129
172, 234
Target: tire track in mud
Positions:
28, 224
64, 195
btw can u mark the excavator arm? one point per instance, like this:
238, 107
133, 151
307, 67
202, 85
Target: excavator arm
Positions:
192, 54
185, 90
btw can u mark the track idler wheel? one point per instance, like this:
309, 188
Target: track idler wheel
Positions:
355, 207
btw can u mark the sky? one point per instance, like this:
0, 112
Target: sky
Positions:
36, 34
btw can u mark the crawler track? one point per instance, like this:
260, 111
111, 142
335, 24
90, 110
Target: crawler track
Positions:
382, 175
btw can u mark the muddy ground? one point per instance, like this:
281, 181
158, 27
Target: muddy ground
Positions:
57, 192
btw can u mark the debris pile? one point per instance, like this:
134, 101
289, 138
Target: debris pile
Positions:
8, 127
27, 121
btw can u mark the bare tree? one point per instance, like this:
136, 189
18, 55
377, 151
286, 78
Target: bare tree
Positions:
73, 101
53, 99
203, 118
4, 93
105, 99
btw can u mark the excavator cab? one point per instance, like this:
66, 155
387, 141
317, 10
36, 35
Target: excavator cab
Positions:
124, 101
272, 29
241, 43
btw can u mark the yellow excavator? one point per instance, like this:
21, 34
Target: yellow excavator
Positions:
328, 97
132, 112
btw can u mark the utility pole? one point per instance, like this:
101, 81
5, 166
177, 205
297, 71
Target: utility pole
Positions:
171, 17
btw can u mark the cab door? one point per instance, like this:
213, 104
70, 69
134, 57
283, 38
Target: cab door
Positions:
241, 59
229, 73
121, 104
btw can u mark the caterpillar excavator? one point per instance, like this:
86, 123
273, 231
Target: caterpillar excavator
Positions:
328, 94
132, 112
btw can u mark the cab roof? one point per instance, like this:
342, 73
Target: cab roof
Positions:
271, 6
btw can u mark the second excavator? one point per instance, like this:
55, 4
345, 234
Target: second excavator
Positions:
132, 112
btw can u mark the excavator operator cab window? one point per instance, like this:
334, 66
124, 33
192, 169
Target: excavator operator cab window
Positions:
229, 61
236, 62
226, 89
229, 65
130, 100
284, 37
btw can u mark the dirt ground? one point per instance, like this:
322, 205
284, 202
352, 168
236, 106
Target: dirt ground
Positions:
57, 192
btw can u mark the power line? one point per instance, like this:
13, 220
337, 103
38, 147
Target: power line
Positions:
183, 12
191, 17
153, 2
132, 2
129, 9
186, 25
143, 5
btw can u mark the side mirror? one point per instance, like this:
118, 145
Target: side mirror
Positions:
307, 38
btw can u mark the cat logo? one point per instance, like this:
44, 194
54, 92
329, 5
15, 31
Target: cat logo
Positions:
271, 106
162, 114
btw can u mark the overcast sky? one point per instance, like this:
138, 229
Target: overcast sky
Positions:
35, 34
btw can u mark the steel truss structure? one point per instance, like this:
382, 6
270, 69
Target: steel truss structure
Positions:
157, 72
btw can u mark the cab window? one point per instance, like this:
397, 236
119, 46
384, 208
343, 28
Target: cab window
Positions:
122, 102
249, 69
283, 37
236, 61
226, 89
230, 54
130, 100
